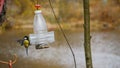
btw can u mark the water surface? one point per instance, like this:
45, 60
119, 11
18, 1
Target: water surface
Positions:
105, 50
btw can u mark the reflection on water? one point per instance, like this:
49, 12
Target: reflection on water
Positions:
105, 51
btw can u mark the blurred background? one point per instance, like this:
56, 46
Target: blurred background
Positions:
104, 13
105, 31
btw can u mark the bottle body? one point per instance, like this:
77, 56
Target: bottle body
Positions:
41, 34
39, 23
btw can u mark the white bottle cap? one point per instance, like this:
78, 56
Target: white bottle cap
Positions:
38, 11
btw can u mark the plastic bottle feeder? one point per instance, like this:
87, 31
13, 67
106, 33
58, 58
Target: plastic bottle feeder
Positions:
41, 35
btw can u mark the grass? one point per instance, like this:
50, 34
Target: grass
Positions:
69, 13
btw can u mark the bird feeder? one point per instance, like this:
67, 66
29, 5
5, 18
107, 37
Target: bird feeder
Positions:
41, 36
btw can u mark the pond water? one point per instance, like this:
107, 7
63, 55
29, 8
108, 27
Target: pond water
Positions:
105, 50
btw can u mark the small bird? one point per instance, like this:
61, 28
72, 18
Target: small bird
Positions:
25, 42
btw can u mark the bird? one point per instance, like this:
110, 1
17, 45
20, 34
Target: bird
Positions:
25, 42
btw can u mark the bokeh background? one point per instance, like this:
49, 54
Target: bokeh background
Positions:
105, 31
104, 13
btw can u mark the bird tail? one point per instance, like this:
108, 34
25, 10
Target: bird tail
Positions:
27, 51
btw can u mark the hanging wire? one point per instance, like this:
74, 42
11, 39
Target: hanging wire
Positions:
37, 2
33, 2
63, 33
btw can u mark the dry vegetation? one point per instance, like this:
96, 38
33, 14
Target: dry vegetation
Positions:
104, 13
